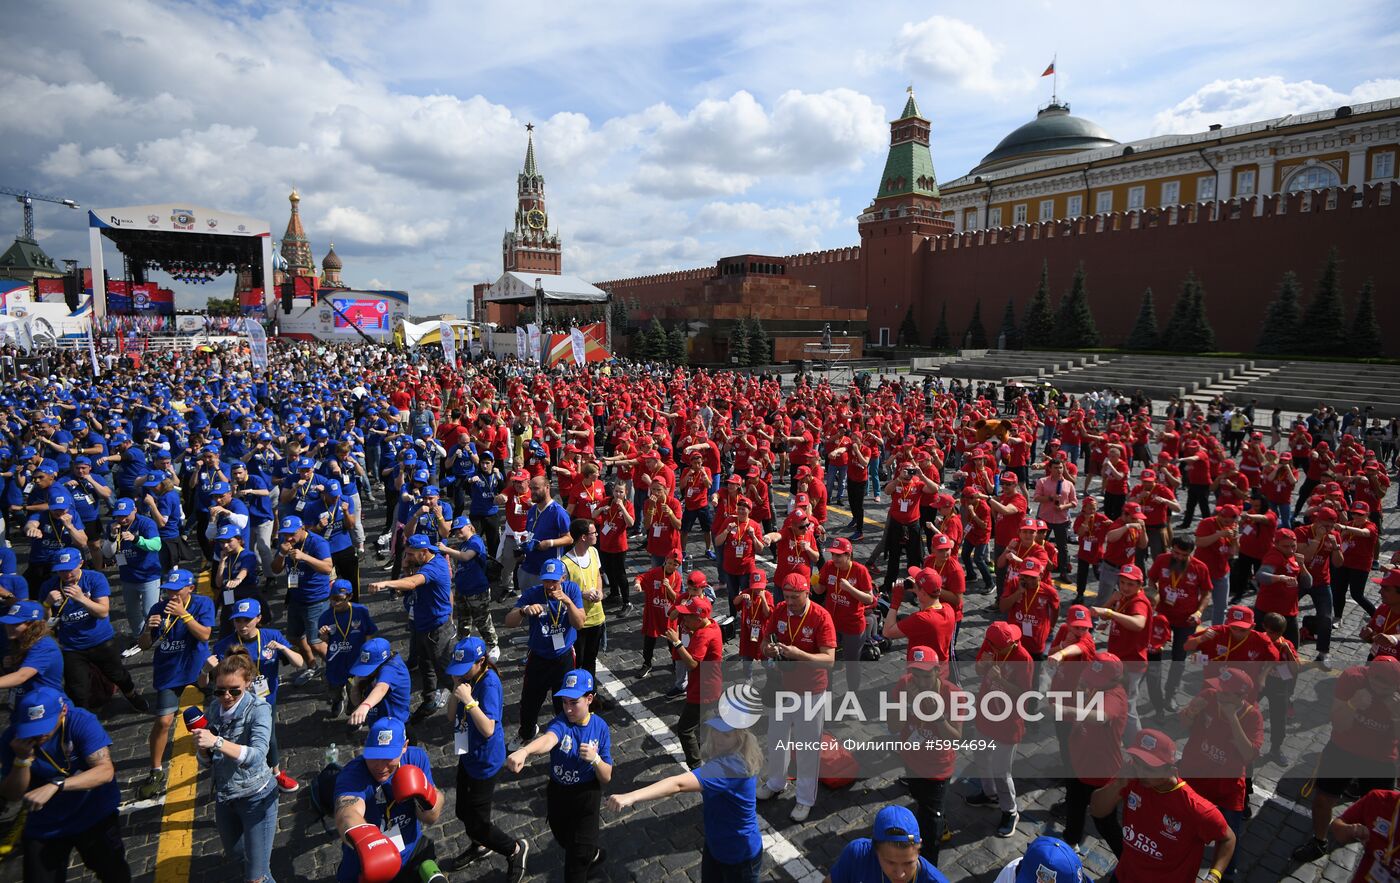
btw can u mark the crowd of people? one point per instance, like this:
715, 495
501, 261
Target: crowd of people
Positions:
218, 527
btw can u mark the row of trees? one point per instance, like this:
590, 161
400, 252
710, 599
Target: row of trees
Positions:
655, 344
1321, 329
749, 344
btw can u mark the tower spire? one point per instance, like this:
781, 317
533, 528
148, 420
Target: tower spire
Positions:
911, 107
530, 149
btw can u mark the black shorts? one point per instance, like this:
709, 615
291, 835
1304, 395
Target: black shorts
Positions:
691, 516
1338, 768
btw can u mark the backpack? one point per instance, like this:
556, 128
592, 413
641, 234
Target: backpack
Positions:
322, 793
838, 768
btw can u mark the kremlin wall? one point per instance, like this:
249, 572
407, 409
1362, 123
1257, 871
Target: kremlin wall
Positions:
1238, 247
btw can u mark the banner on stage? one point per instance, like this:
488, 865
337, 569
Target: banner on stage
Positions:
521, 344
576, 339
257, 343
534, 335
449, 342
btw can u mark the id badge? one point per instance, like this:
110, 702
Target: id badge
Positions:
301, 507
462, 742
228, 597
656, 530
904, 505
754, 631
1088, 545
293, 579
395, 837
121, 559
607, 528
1026, 628
260, 687
557, 639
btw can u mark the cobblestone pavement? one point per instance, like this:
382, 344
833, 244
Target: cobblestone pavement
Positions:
662, 839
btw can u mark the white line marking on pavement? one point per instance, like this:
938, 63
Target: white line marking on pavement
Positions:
781, 850
1266, 795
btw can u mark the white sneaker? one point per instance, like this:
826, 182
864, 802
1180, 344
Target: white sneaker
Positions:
800, 812
131, 651
493, 654
766, 793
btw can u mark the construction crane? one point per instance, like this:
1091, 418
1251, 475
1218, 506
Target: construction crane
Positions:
27, 198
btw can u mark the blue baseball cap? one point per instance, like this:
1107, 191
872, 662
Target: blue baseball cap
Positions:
1050, 859
120, 438
290, 524
247, 608
37, 712
460, 522
48, 466
331, 486
176, 580
342, 587
22, 612
895, 824
553, 569
432, 490
59, 499
67, 559
220, 487
374, 653
420, 541
123, 507
305, 463
468, 652
576, 684
422, 475
82, 461
227, 531
385, 740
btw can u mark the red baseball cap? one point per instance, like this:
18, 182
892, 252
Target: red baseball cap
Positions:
1010, 478
926, 579
839, 546
1106, 668
734, 480
1030, 568
796, 582
1078, 615
1130, 571
758, 579
1326, 513
1240, 617
1285, 533
943, 541
1132, 508
698, 578
520, 475
1149, 475
1232, 680
923, 658
1002, 634
1155, 748
1390, 580
1360, 507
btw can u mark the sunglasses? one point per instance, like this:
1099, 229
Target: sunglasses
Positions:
228, 691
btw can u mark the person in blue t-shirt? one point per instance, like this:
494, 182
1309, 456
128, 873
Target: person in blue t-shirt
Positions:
135, 545
478, 715
433, 632
383, 687
554, 610
728, 784
58, 759
39, 658
87, 491
166, 508
306, 559
178, 627
252, 488
579, 744
80, 602
384, 797
52, 526
335, 518
268, 649
234, 577
344, 628
892, 850
471, 587
485, 511
546, 531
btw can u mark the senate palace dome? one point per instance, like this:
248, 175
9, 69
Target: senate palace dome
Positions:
1053, 132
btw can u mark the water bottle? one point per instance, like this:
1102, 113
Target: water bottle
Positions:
332, 754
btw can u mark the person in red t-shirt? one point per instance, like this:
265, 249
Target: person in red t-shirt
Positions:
699, 647
1362, 748
740, 541
902, 522
1181, 583
1127, 616
795, 546
977, 519
1089, 529
934, 624
802, 638
1227, 731
1032, 607
661, 523
660, 589
847, 593
1282, 578
953, 576
1095, 747
1122, 540
755, 606
615, 518
1217, 543
695, 486
1382, 630
1372, 820
928, 769
1359, 539
1006, 669
1166, 824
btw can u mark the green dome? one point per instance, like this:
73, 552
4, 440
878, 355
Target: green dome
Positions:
1052, 131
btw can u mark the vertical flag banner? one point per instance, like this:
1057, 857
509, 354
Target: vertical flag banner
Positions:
521, 344
257, 343
534, 343
92, 351
474, 342
576, 338
449, 343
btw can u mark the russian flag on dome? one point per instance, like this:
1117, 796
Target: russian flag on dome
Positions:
1049, 70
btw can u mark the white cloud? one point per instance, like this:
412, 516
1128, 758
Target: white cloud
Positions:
802, 224
949, 53
1233, 102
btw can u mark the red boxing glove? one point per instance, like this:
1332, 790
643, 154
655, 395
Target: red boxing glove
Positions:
409, 782
379, 860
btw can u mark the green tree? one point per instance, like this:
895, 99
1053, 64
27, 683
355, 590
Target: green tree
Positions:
1281, 333
223, 306
739, 355
1144, 335
909, 329
1009, 333
760, 345
1195, 334
1038, 329
1324, 322
1365, 330
678, 352
641, 345
1074, 325
620, 316
976, 336
660, 349
942, 337
1181, 314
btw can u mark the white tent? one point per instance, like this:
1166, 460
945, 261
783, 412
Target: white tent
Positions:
515, 287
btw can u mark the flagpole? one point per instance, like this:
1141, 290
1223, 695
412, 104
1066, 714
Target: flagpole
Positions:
1055, 79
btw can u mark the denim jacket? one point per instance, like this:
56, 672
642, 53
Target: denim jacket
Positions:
249, 724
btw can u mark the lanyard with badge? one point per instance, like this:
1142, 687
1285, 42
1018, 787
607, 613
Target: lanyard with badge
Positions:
465, 727
294, 571
260, 685
63, 769
549, 623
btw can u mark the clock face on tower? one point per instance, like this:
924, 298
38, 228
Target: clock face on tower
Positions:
535, 218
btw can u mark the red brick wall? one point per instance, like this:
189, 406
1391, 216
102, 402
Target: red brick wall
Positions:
1239, 261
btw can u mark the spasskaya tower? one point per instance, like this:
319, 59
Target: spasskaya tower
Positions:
531, 247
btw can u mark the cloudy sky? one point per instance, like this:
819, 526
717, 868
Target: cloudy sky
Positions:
669, 134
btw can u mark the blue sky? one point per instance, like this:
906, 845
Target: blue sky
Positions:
668, 137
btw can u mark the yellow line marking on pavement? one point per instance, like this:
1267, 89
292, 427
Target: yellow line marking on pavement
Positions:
175, 849
830, 508
176, 845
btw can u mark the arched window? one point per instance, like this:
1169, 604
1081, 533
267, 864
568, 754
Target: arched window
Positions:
1313, 177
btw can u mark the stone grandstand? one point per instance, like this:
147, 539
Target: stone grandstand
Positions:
1292, 386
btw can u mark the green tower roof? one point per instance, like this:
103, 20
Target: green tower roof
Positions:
911, 108
908, 171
